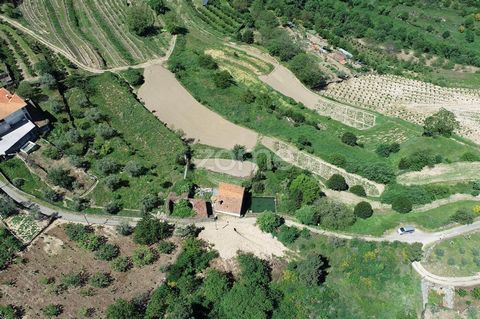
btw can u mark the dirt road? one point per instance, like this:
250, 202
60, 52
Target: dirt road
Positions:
174, 105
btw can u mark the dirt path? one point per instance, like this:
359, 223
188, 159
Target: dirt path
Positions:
163, 95
446, 281
241, 169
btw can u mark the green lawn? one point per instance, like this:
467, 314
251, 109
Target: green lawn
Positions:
430, 220
458, 256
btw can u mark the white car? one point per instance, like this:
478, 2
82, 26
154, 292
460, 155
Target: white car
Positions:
406, 230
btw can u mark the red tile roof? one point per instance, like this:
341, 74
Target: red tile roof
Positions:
9, 103
229, 199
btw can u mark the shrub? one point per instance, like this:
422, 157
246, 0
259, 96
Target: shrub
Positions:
107, 252
91, 242
100, 280
121, 264
338, 160
463, 216
79, 204
415, 252
223, 79
349, 139
239, 152
7, 207
61, 177
476, 209
150, 230
287, 235
166, 247
470, 157
140, 19
305, 189
53, 153
363, 210
461, 292
183, 209
358, 190
312, 270
439, 252
476, 293
402, 204
124, 229
451, 261
476, 185
107, 166
143, 256
113, 207
441, 123
207, 62
113, 182
150, 202
269, 222
105, 131
333, 214
135, 169
337, 182
134, 77
307, 215
76, 232
51, 311
74, 279
385, 150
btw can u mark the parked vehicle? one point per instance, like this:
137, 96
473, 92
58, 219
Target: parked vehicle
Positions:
406, 230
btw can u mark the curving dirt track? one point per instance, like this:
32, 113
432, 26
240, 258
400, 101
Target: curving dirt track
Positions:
163, 95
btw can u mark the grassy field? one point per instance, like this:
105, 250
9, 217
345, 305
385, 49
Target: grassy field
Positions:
142, 137
458, 256
95, 32
373, 280
16, 169
429, 220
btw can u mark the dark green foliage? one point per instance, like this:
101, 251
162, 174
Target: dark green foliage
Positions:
415, 252
143, 256
358, 190
113, 182
269, 222
239, 152
77, 232
307, 215
121, 264
7, 207
349, 138
338, 160
463, 216
206, 61
402, 204
51, 311
378, 172
470, 157
123, 309
74, 279
363, 210
107, 252
223, 79
307, 70
159, 6
183, 209
100, 280
113, 207
385, 150
134, 77
26, 90
107, 166
418, 160
124, 229
312, 270
279, 44
166, 247
8, 312
306, 188
441, 123
140, 20
9, 246
150, 202
150, 230
52, 152
337, 182
215, 285
334, 215
61, 177
287, 235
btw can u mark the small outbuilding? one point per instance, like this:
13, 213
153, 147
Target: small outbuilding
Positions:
229, 200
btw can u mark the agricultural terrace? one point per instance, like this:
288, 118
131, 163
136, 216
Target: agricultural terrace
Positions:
253, 104
410, 100
25, 226
94, 32
218, 16
455, 257
449, 173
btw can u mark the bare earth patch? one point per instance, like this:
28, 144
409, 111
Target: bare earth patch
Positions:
454, 172
172, 104
228, 235
54, 255
234, 168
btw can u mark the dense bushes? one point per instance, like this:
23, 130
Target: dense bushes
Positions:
463, 216
349, 138
358, 190
419, 160
150, 230
327, 213
385, 150
337, 182
441, 123
402, 204
269, 222
363, 210
9, 246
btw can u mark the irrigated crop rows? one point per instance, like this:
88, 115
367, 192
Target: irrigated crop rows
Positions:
219, 16
93, 31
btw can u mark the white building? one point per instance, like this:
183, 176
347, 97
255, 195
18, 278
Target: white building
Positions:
16, 126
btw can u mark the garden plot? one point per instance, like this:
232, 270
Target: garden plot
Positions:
454, 172
92, 31
410, 100
25, 227
40, 166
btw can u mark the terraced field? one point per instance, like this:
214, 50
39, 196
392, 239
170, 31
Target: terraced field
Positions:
93, 31
218, 15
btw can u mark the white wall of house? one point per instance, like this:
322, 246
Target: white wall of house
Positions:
13, 119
